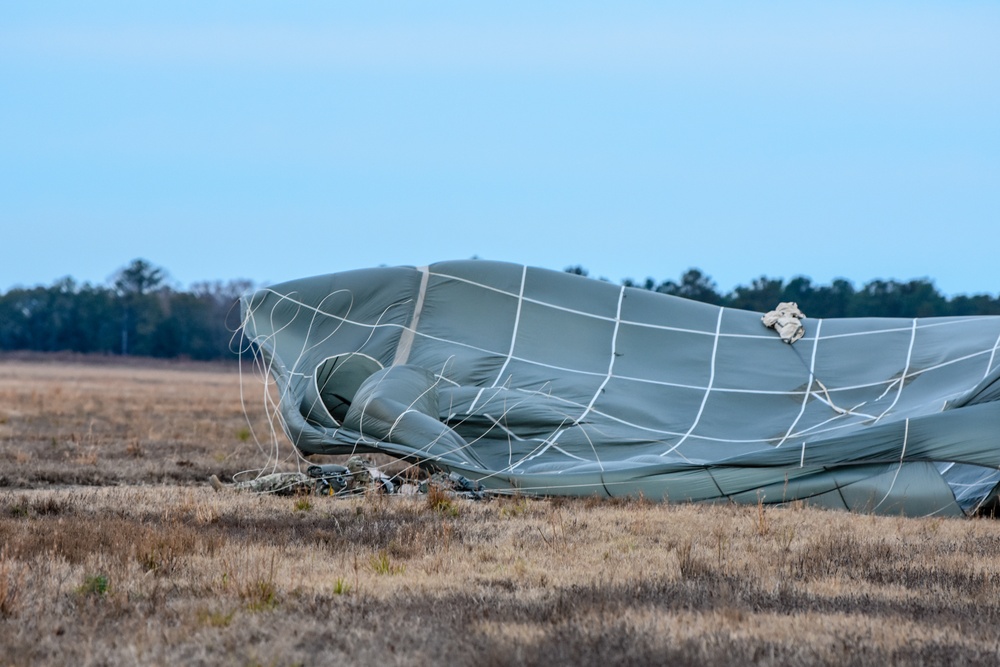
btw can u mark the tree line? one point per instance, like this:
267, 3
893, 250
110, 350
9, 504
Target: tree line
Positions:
877, 298
138, 313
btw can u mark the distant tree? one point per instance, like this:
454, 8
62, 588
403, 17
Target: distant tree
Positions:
762, 295
134, 285
17, 307
799, 290
647, 284
223, 308
139, 278
693, 285
65, 316
979, 304
834, 300
891, 298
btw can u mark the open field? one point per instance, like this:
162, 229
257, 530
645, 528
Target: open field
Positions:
114, 550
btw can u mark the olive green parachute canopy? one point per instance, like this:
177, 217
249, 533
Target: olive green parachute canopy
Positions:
550, 383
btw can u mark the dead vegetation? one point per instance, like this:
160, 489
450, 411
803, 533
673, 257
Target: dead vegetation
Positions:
144, 568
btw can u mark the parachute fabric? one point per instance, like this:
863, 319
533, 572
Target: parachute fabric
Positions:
541, 382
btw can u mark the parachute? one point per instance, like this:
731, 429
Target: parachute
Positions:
539, 382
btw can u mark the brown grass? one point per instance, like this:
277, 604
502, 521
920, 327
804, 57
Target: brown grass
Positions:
153, 568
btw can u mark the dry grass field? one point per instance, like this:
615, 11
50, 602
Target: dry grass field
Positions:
114, 550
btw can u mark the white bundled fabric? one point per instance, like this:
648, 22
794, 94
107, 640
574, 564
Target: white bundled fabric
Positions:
786, 319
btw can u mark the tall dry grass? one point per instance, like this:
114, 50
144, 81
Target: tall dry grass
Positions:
161, 570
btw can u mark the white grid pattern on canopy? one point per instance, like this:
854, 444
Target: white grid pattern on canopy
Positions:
540, 370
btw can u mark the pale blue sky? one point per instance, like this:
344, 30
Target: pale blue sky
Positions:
273, 141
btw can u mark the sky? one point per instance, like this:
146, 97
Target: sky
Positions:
270, 141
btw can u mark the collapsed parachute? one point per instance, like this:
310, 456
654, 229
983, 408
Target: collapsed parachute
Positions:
548, 383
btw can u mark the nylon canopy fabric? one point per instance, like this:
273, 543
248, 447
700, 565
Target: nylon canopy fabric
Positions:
549, 383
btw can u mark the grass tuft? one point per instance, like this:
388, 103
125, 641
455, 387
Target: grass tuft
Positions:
341, 587
438, 500
260, 595
380, 563
94, 584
